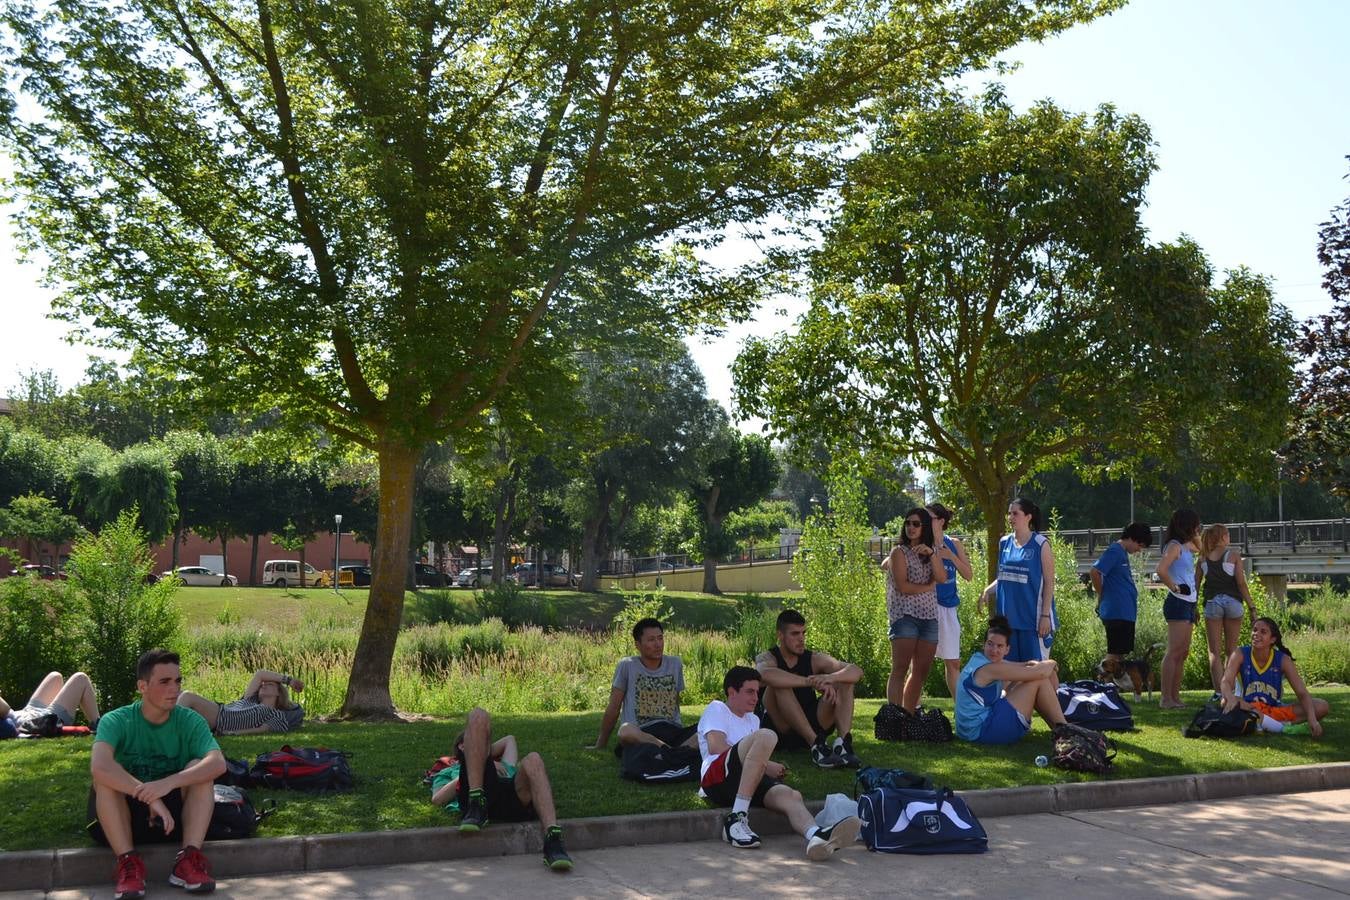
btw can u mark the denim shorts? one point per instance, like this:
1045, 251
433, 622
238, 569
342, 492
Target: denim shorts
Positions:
1223, 606
1176, 609
914, 627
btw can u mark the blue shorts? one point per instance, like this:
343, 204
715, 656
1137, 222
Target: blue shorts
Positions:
1027, 646
1177, 609
914, 627
9, 727
1004, 724
1223, 606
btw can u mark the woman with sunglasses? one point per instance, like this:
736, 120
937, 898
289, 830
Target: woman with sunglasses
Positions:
911, 603
1024, 591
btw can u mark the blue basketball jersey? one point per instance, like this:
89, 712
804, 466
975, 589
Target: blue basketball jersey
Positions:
972, 701
1263, 684
1019, 582
946, 593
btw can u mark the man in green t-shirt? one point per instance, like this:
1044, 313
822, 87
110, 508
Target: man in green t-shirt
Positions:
154, 766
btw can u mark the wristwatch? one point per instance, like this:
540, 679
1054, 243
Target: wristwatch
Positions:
286, 680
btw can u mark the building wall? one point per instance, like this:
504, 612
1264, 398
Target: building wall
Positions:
763, 577
318, 553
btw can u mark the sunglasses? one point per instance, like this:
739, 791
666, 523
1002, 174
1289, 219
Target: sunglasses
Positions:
913, 523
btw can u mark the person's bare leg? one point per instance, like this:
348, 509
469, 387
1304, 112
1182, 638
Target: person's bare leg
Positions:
953, 675
1047, 702
631, 734
477, 746
114, 816
918, 673
902, 651
199, 802
207, 709
754, 750
1232, 635
788, 801
838, 714
1214, 634
786, 712
533, 789
78, 695
47, 689
1174, 662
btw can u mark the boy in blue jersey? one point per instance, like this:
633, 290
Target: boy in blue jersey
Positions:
996, 698
1117, 594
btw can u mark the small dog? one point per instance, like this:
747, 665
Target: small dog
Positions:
1131, 674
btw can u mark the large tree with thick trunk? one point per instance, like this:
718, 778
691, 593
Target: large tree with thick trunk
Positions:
383, 218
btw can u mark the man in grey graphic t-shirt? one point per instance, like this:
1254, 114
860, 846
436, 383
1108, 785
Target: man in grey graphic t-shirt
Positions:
646, 691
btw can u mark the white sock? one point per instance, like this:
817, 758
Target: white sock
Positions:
1269, 724
741, 805
811, 831
839, 744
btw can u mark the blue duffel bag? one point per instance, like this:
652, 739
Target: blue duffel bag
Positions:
915, 820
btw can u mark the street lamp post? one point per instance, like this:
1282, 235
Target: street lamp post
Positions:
337, 545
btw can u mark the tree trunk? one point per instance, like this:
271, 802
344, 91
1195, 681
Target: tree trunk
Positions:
504, 513
224, 555
368, 688
253, 564
177, 538
714, 534
994, 505
593, 532
303, 545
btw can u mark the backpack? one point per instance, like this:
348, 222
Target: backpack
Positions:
235, 815
444, 762
1094, 704
650, 764
919, 820
311, 769
235, 774
1212, 721
1081, 749
869, 778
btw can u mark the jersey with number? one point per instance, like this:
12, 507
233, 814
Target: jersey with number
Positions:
946, 593
1264, 683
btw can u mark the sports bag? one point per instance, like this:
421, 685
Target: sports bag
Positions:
888, 723
1212, 721
869, 778
650, 764
916, 820
1094, 704
234, 815
1082, 749
893, 723
311, 769
235, 774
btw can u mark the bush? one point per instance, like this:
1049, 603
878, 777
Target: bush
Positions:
125, 616
514, 606
638, 605
38, 633
434, 608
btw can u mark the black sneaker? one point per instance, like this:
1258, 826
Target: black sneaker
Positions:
828, 841
736, 831
555, 857
843, 748
475, 814
823, 755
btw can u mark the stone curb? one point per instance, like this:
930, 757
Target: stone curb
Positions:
46, 870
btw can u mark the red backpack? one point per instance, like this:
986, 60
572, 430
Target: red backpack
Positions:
311, 769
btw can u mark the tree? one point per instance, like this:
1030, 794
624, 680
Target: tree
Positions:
28, 463
738, 470
1320, 444
383, 218
986, 297
38, 520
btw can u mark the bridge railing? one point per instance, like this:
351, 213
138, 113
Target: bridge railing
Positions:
1312, 536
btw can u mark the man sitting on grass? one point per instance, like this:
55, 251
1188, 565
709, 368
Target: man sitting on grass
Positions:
807, 694
488, 784
646, 689
738, 772
154, 766
987, 712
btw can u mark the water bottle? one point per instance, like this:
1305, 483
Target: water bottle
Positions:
1042, 762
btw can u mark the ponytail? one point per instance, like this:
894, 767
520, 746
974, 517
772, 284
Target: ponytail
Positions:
1032, 510
1276, 639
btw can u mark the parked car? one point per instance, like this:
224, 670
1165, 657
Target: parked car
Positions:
474, 576
286, 572
360, 574
553, 575
430, 576
46, 573
201, 576
325, 579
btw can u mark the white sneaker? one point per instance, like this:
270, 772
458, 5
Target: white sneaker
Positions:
827, 841
736, 831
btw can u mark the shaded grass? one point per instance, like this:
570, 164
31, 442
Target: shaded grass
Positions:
45, 782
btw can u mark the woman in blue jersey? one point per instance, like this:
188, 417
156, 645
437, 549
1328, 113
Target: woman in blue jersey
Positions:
955, 560
1176, 570
1024, 592
995, 698
1260, 669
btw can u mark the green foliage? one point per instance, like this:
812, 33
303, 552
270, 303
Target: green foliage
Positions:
756, 628
435, 608
125, 616
38, 633
36, 518
638, 605
515, 606
843, 595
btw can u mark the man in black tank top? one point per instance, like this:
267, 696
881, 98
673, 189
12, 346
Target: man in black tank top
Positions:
808, 694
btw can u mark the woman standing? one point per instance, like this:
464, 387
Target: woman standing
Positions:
911, 602
1176, 570
1222, 582
952, 553
1024, 592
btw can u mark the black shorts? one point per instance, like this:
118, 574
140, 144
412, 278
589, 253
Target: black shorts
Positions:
1119, 636
503, 803
668, 733
789, 739
723, 777
142, 832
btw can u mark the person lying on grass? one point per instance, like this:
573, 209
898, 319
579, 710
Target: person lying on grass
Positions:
265, 706
1261, 668
995, 699
57, 695
487, 783
738, 772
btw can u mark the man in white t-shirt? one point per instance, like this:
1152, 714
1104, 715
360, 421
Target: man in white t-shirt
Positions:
738, 772
645, 695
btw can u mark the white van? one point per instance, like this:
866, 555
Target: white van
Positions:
283, 572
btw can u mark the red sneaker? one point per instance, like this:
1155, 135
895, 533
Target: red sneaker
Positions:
192, 872
130, 877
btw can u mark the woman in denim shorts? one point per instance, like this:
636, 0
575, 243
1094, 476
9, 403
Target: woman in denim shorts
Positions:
911, 603
1177, 570
1222, 582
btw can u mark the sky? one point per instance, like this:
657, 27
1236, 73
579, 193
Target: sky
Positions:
1244, 98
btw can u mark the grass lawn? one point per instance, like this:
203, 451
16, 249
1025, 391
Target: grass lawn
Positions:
287, 609
45, 782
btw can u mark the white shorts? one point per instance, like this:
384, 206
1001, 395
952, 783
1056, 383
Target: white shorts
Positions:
949, 633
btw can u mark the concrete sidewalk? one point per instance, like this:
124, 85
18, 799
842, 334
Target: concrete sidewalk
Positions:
1271, 845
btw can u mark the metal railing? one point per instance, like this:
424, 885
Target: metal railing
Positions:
1310, 536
